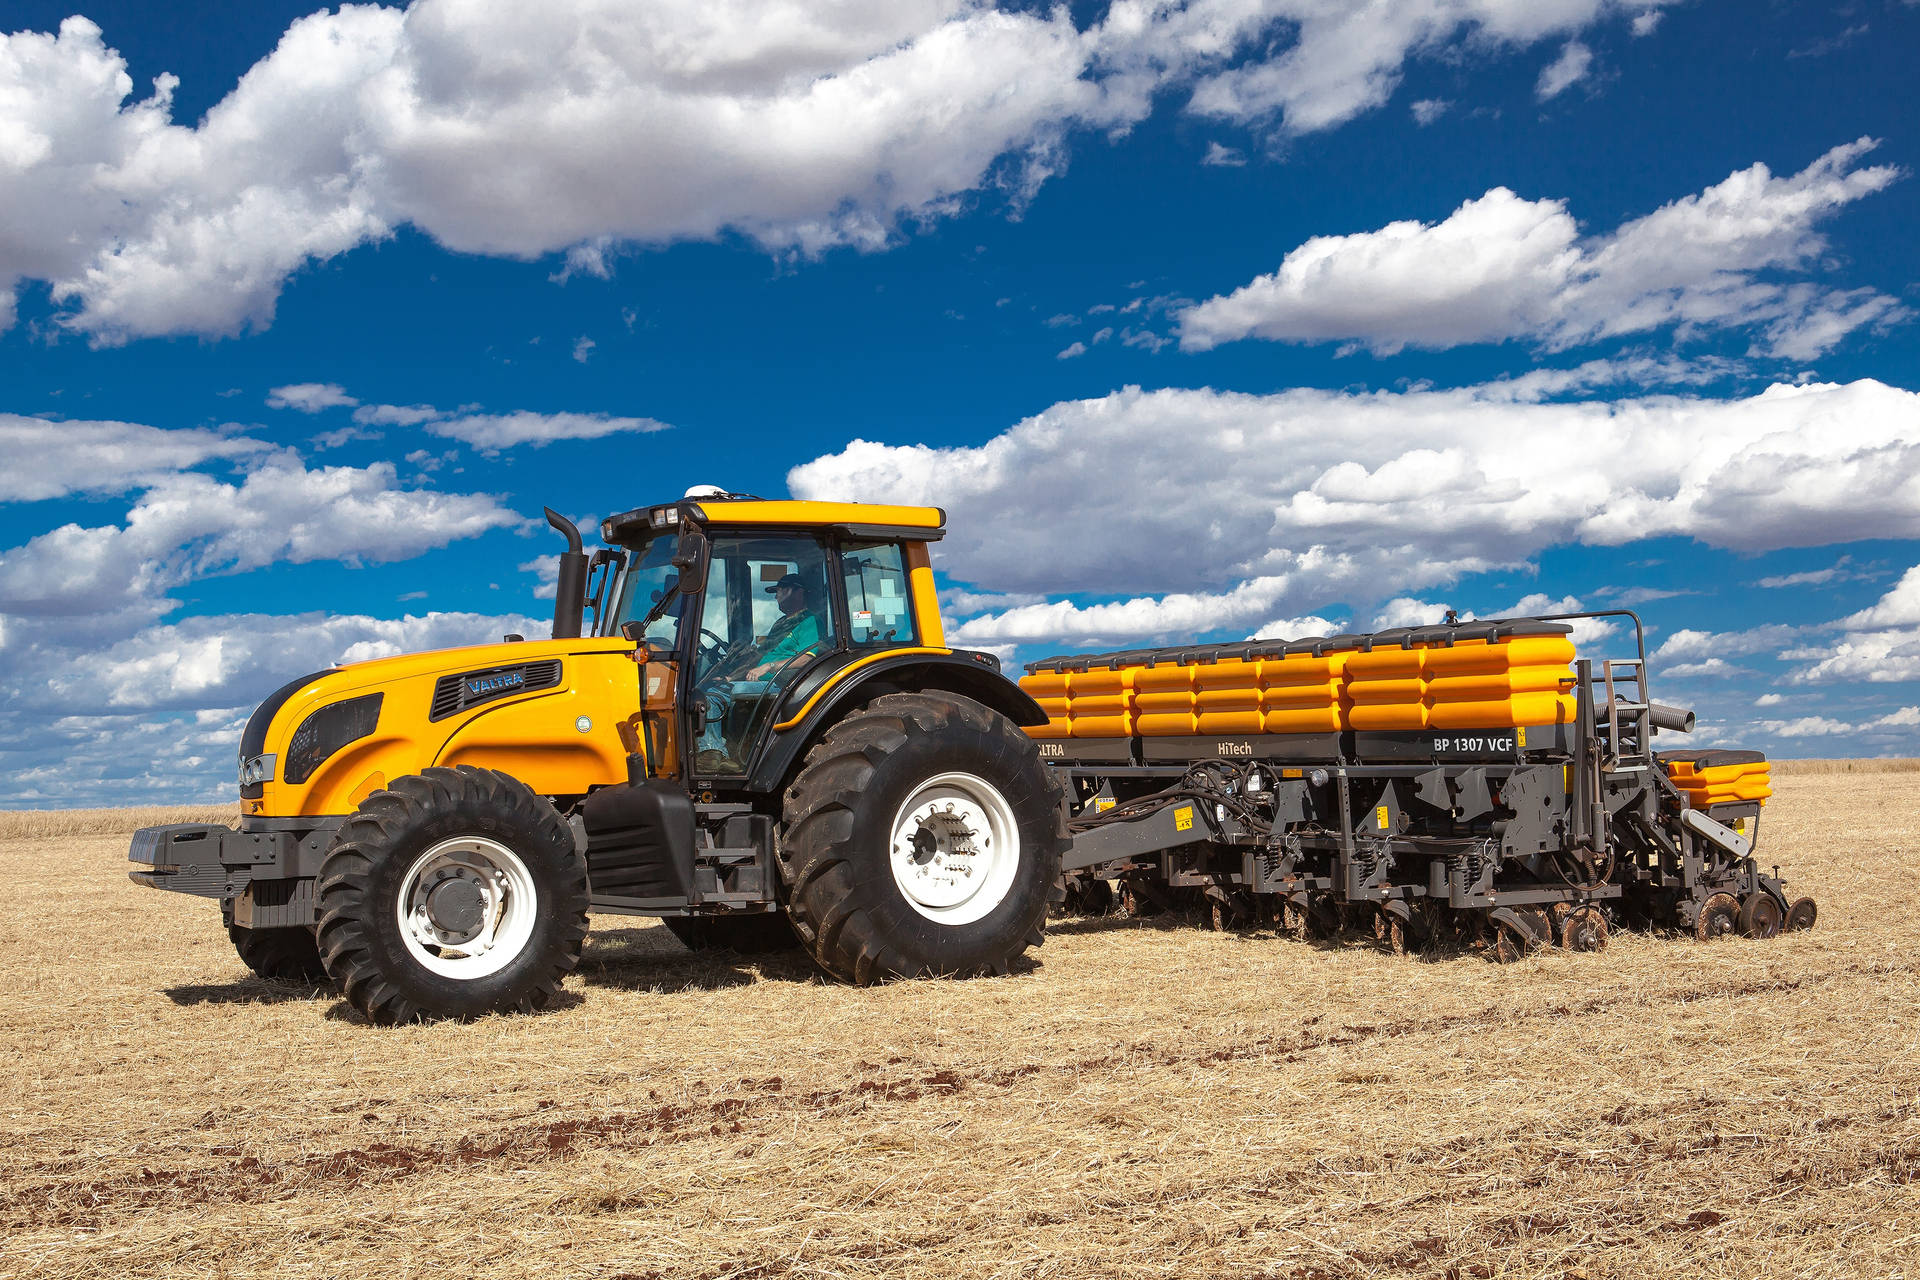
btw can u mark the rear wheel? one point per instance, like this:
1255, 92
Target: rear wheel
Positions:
924, 838
452, 894
1801, 915
748, 935
288, 954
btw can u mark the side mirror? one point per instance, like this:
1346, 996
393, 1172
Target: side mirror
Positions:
634, 630
604, 566
690, 558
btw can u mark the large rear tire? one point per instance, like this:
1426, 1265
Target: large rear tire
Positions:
452, 894
924, 838
746, 935
288, 955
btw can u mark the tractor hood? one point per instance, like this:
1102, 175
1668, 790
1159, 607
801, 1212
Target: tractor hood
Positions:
473, 657
324, 742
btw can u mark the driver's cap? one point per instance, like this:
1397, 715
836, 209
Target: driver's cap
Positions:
788, 580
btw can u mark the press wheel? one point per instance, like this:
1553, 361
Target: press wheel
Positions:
1584, 929
1719, 917
1390, 932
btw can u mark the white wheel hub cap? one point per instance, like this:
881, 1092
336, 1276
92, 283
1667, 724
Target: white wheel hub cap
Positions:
467, 907
954, 848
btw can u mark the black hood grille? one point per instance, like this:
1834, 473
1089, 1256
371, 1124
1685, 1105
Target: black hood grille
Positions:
454, 694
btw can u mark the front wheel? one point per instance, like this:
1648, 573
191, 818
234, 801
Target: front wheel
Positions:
452, 894
287, 954
924, 837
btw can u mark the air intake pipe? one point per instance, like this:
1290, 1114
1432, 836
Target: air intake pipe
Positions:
570, 587
1659, 715
1676, 719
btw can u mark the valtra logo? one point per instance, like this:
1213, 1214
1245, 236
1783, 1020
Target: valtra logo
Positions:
481, 686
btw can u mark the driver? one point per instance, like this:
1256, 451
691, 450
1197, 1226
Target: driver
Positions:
797, 634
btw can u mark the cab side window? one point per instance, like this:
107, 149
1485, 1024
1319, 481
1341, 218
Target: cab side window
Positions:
879, 602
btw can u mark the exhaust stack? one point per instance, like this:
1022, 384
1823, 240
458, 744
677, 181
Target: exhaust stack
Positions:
570, 587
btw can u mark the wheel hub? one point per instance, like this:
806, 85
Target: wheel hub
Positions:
457, 906
954, 847
466, 907
938, 851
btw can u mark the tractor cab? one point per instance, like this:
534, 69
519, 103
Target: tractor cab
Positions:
749, 609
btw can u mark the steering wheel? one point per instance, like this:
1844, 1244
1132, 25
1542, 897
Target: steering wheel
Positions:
717, 656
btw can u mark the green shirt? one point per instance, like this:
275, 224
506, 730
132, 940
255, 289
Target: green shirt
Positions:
793, 635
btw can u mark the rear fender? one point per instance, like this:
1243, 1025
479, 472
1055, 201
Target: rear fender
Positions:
958, 671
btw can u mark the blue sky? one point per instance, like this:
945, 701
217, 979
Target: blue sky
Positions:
1202, 320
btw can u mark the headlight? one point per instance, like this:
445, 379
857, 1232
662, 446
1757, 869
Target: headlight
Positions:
257, 770
326, 731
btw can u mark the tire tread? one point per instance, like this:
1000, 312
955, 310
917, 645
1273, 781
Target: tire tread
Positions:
831, 908
370, 836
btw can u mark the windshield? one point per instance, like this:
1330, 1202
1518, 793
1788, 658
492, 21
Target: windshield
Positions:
649, 577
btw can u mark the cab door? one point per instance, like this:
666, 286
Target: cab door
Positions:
767, 616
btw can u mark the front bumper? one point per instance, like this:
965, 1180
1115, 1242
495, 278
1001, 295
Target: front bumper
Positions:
200, 858
213, 861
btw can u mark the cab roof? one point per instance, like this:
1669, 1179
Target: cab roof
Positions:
861, 519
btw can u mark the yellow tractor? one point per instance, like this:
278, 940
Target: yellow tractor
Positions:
762, 737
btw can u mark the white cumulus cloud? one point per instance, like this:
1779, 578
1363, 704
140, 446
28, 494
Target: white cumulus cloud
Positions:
44, 458
1565, 71
580, 126
310, 397
490, 433
1348, 58
493, 432
1104, 488
1899, 607
1502, 267
1218, 509
191, 526
502, 128
395, 415
1879, 644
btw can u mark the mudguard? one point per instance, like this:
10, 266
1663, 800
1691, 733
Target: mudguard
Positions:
956, 671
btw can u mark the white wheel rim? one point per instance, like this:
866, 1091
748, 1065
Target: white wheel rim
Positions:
467, 907
955, 848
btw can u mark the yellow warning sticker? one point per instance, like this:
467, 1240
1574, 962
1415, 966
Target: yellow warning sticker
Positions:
1520, 735
1183, 819
1101, 804
1380, 814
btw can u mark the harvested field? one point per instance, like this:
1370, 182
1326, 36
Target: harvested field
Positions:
1149, 1101
30, 824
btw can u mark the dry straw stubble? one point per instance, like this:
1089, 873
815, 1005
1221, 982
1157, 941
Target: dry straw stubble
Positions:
1150, 1101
